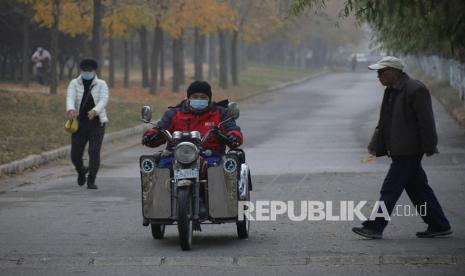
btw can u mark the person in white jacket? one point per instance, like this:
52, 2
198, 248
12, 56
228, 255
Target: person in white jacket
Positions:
86, 100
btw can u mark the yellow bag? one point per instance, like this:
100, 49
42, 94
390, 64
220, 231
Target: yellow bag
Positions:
72, 126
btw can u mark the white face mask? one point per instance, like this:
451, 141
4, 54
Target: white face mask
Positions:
87, 75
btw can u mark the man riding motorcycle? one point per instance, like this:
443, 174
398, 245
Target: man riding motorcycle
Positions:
197, 112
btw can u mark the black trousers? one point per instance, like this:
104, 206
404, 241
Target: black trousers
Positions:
92, 132
407, 173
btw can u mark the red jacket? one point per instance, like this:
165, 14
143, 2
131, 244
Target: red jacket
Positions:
182, 118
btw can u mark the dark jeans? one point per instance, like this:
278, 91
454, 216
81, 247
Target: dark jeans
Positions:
92, 132
42, 75
407, 173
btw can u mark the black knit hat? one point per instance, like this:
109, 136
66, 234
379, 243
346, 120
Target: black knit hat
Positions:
200, 87
88, 63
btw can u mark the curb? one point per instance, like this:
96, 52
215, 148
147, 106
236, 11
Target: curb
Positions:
36, 160
49, 261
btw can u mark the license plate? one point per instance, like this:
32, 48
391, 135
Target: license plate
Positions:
186, 173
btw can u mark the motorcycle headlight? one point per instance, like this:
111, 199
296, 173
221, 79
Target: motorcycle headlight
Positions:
186, 153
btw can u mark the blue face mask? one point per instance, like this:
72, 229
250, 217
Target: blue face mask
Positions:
87, 75
198, 104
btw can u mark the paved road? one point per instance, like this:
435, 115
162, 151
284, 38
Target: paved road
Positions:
303, 143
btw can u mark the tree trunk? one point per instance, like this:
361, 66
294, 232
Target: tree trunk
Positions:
242, 56
143, 56
126, 63
71, 68
131, 53
76, 61
54, 49
198, 54
212, 69
234, 58
176, 64
16, 69
162, 59
223, 78
111, 50
85, 51
4, 65
182, 74
25, 51
97, 38
155, 59
62, 63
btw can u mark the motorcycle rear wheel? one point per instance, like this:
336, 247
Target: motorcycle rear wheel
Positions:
243, 225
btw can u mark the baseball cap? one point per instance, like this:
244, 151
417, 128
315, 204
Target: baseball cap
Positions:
387, 61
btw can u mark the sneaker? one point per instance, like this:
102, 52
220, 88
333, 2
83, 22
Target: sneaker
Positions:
367, 232
433, 233
82, 176
91, 183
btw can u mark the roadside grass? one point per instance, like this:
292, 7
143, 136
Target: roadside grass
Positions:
32, 121
31, 124
447, 95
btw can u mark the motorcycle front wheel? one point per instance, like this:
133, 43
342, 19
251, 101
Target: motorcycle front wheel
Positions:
185, 229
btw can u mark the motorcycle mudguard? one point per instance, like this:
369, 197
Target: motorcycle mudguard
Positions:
156, 189
222, 188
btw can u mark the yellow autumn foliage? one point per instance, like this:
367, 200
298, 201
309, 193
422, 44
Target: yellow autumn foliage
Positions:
123, 16
205, 15
75, 17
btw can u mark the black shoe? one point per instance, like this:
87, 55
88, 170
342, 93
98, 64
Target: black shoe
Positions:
434, 233
367, 232
82, 176
92, 186
91, 183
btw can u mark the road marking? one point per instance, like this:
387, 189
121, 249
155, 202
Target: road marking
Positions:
221, 261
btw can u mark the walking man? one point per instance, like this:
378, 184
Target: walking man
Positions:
405, 132
87, 98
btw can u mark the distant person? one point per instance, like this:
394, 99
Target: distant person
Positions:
405, 132
87, 98
354, 62
41, 59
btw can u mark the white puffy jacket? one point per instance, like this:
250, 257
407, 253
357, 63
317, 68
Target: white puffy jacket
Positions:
99, 92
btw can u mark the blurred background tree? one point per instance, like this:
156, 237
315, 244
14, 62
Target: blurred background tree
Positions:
416, 27
132, 40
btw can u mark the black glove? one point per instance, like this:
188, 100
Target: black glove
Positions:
233, 140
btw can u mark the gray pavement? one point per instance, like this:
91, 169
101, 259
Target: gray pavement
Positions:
304, 142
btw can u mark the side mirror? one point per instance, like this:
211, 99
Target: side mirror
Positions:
146, 114
232, 110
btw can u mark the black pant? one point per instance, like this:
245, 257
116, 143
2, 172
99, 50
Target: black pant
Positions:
92, 132
407, 173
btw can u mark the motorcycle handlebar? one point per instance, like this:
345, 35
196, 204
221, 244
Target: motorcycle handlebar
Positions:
216, 130
167, 135
221, 135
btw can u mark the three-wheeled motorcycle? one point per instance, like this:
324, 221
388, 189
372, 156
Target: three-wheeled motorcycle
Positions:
190, 192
